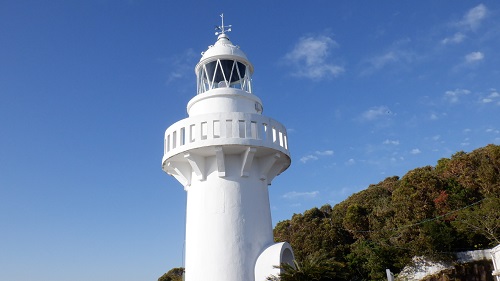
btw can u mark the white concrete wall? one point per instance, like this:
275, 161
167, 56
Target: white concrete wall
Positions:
269, 261
228, 223
224, 100
422, 267
225, 155
495, 255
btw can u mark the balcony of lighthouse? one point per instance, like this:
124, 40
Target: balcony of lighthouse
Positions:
234, 132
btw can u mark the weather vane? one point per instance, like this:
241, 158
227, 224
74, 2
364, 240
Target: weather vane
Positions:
223, 28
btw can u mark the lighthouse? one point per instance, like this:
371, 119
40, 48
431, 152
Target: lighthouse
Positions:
226, 154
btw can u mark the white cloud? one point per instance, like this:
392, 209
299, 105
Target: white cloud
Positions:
382, 60
469, 22
454, 96
456, 38
433, 116
474, 57
295, 194
375, 113
491, 97
472, 19
310, 56
467, 130
350, 162
492, 131
308, 157
415, 151
436, 137
316, 155
394, 56
393, 142
180, 65
324, 153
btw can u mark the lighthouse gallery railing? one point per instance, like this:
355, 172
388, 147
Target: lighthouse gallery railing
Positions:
225, 129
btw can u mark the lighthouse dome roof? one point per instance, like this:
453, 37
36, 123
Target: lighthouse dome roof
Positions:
224, 49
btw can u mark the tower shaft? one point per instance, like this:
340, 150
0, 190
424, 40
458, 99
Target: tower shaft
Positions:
228, 221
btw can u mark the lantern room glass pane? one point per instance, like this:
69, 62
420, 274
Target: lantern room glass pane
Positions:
223, 73
224, 70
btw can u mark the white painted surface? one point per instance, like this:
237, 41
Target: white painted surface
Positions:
226, 154
269, 261
422, 268
228, 223
224, 100
390, 276
223, 48
495, 256
468, 256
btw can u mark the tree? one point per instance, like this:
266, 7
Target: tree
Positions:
311, 269
174, 274
482, 219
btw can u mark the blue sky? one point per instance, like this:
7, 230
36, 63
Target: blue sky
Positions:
367, 90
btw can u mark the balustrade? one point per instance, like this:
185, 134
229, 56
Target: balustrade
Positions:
227, 128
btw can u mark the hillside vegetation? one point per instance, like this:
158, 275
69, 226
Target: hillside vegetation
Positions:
430, 211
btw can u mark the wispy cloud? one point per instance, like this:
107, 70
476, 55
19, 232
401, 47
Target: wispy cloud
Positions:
415, 151
468, 23
307, 158
298, 195
350, 162
471, 59
466, 142
455, 95
390, 57
391, 142
310, 58
180, 65
474, 57
316, 155
376, 113
491, 130
492, 97
455, 38
398, 54
472, 19
324, 153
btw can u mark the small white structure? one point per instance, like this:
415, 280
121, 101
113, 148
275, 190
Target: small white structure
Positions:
495, 257
422, 267
390, 275
225, 154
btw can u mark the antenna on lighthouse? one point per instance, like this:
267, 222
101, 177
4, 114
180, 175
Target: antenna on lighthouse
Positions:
222, 29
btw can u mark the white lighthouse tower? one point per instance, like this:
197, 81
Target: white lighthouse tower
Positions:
226, 154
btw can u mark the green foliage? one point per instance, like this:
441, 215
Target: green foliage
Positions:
175, 274
430, 211
311, 269
481, 222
